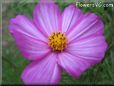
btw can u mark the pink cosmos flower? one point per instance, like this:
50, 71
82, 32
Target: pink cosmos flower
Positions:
72, 41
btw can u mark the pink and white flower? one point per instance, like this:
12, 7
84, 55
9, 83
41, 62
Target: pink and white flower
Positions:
72, 41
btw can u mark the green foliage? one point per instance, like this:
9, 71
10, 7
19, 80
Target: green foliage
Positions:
14, 63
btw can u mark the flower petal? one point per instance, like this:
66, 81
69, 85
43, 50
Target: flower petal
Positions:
75, 66
70, 16
29, 40
90, 48
47, 17
45, 71
87, 25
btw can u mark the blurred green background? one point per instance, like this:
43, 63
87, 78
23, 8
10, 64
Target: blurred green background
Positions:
13, 62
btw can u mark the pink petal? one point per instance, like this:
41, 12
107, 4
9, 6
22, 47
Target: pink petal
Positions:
74, 66
70, 16
47, 17
87, 25
29, 40
91, 48
45, 71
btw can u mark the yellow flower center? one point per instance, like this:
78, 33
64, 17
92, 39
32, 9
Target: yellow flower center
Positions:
57, 41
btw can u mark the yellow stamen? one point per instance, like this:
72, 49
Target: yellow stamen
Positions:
57, 41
